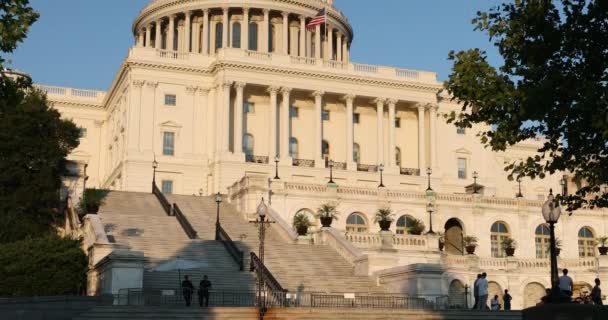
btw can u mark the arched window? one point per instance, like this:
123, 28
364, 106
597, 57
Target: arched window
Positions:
236, 35
248, 144
253, 36
541, 237
499, 232
403, 224
398, 157
293, 148
356, 153
325, 150
355, 223
219, 31
586, 242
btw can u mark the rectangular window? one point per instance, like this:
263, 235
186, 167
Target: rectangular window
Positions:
397, 122
168, 143
325, 115
167, 186
461, 131
294, 112
356, 118
83, 132
462, 168
170, 100
248, 107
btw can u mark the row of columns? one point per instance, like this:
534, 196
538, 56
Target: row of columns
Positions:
280, 136
189, 41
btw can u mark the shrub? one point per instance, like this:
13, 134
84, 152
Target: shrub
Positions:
415, 226
42, 266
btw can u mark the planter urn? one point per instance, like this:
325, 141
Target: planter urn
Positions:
510, 252
603, 250
441, 245
470, 249
326, 221
302, 230
385, 225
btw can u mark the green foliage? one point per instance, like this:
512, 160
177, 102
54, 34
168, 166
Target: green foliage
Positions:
470, 241
509, 242
415, 226
602, 240
92, 197
16, 16
384, 214
552, 85
301, 220
327, 210
42, 266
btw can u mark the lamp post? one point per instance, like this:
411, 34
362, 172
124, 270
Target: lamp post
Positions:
154, 166
262, 212
519, 194
331, 171
430, 208
381, 169
551, 213
429, 171
475, 176
562, 182
218, 201
276, 168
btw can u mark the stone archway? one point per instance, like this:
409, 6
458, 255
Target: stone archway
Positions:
453, 237
495, 289
456, 297
533, 292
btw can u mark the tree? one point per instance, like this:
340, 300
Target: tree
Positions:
16, 17
553, 84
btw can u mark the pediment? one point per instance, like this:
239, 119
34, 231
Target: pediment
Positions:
171, 124
462, 151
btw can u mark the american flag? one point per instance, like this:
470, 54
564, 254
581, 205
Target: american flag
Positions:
319, 19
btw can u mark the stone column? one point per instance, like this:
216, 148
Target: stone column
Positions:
225, 27
329, 42
350, 138
245, 30
265, 30
238, 118
140, 38
196, 35
421, 139
272, 115
380, 129
225, 118
345, 53
392, 163
206, 31
302, 36
181, 40
188, 26
318, 42
171, 33
158, 42
204, 114
339, 46
433, 143
148, 43
318, 125
284, 116
286, 33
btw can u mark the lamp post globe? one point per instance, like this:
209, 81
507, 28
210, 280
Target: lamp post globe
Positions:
154, 166
551, 213
381, 169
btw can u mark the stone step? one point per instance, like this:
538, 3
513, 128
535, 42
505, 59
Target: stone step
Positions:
386, 314
163, 313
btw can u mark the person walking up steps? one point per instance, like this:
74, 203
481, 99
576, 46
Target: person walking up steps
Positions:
203, 291
187, 289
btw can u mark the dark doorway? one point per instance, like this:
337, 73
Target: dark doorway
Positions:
453, 237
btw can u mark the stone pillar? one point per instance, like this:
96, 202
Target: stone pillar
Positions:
392, 163
433, 143
284, 116
380, 129
225, 118
140, 38
265, 30
181, 39
339, 46
318, 42
134, 118
196, 35
302, 36
206, 31
329, 43
272, 145
187, 34
225, 28
238, 118
148, 43
345, 53
204, 119
421, 139
350, 138
171, 34
158, 42
245, 30
286, 33
318, 125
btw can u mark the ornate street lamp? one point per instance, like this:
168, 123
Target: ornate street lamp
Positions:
551, 212
475, 176
562, 182
381, 169
276, 168
430, 208
261, 222
519, 194
218, 201
429, 171
331, 171
154, 166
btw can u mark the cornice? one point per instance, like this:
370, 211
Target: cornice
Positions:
74, 104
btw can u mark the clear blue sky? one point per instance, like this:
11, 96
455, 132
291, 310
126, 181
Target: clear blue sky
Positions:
81, 43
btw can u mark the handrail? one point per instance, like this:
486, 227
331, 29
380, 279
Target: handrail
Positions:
162, 199
183, 221
271, 282
231, 247
283, 227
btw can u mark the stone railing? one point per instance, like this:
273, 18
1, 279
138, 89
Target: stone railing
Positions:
335, 240
357, 192
515, 263
340, 165
409, 171
306, 187
374, 241
333, 64
258, 55
367, 167
170, 54
256, 159
304, 163
80, 94
303, 60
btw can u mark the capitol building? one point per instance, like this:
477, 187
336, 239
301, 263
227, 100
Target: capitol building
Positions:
242, 98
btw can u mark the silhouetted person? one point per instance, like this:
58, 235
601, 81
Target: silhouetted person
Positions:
476, 291
566, 284
507, 299
187, 289
596, 293
494, 303
482, 290
203, 291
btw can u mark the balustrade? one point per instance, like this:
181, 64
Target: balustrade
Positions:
409, 171
365, 68
304, 163
256, 159
69, 92
303, 60
367, 167
170, 54
333, 64
258, 55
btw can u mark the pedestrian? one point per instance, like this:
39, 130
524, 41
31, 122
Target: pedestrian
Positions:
566, 284
596, 293
476, 292
507, 300
203, 291
482, 290
187, 289
495, 304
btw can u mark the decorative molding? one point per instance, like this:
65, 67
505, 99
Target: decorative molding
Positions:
152, 84
286, 90
273, 89
349, 97
318, 94
240, 85
138, 83
378, 101
203, 91
191, 90
392, 102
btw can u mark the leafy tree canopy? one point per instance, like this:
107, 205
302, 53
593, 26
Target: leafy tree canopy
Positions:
16, 17
553, 84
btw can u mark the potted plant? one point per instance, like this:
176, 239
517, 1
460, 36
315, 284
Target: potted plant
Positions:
470, 243
327, 213
91, 200
384, 218
415, 227
509, 244
441, 240
301, 222
603, 249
